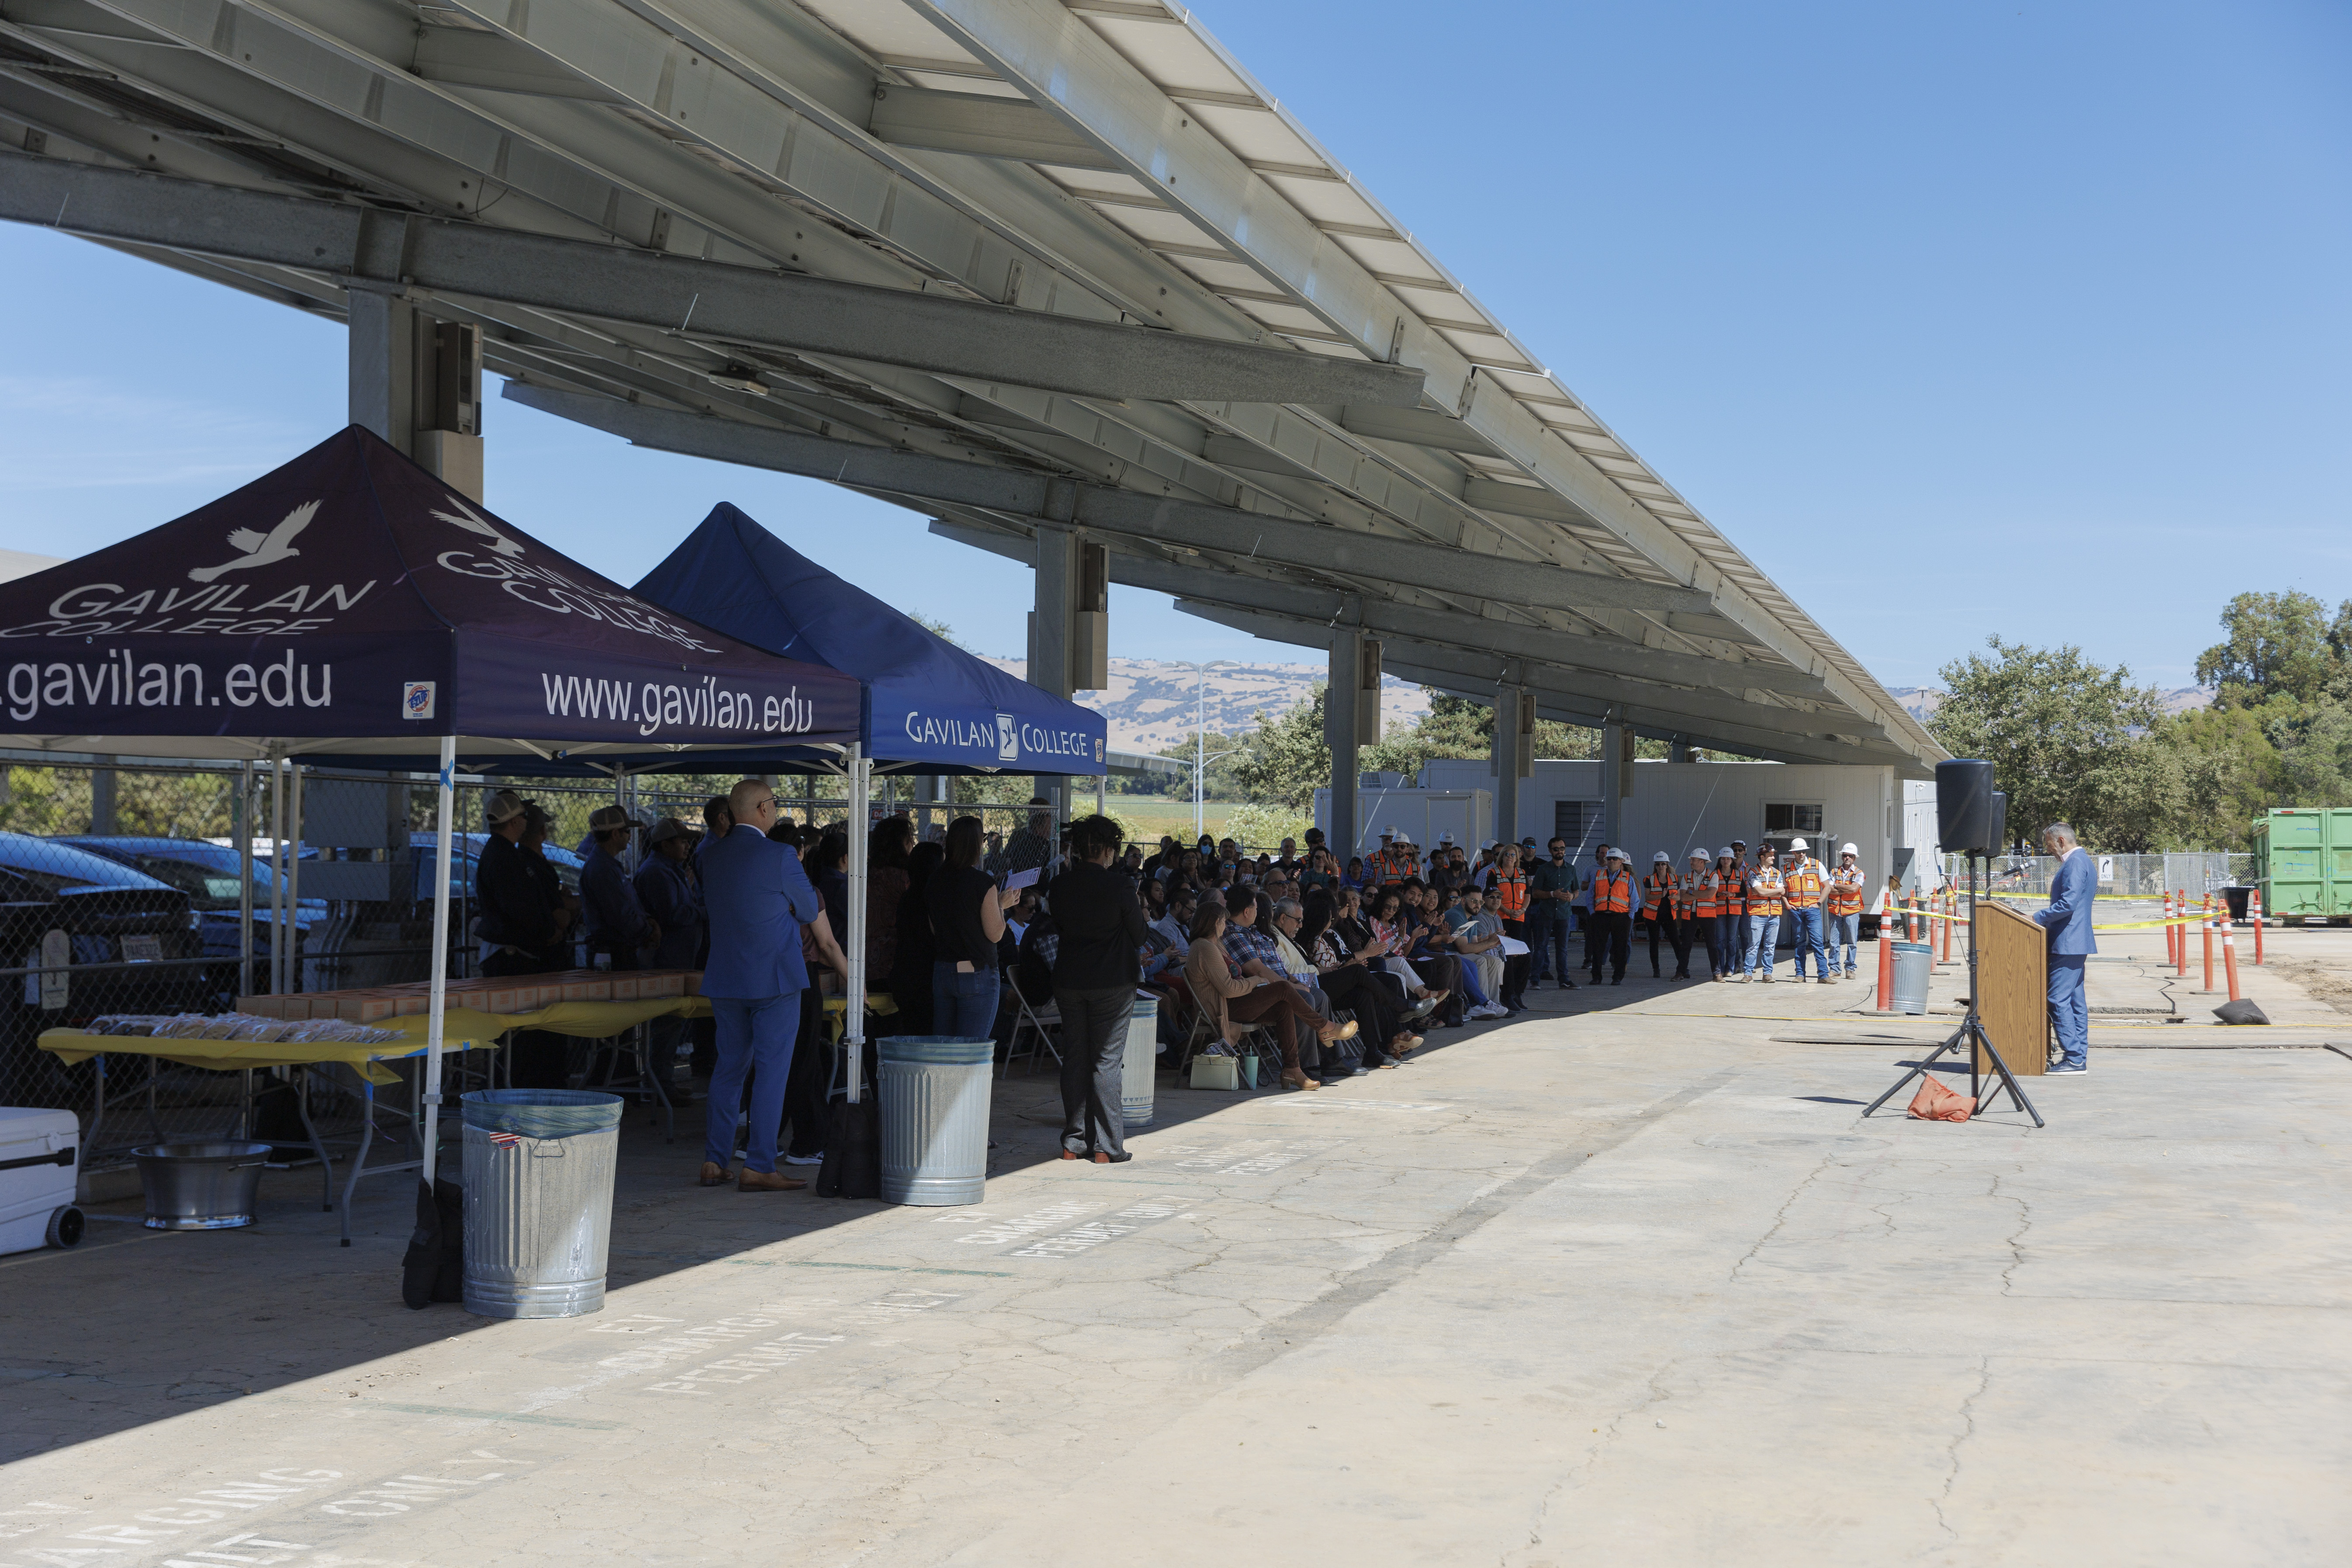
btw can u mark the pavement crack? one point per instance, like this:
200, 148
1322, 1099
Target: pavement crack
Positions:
1952, 1453
1781, 1216
2016, 1239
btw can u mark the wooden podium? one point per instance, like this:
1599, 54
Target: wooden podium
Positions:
2013, 988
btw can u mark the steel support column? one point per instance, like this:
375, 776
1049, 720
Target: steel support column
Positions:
1052, 626
417, 383
1510, 758
1346, 726
1616, 775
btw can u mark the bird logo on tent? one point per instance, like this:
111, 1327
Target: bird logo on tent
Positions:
475, 522
261, 549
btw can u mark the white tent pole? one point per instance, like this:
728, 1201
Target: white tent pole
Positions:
294, 882
443, 806
853, 1033
277, 876
241, 822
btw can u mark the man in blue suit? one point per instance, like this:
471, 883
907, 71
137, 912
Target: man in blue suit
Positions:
2073, 889
758, 899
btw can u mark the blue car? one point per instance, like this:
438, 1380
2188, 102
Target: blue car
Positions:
468, 853
108, 913
207, 873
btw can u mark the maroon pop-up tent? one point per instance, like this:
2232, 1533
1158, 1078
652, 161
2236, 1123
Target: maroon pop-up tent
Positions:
351, 607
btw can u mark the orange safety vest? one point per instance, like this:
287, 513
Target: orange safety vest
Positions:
1765, 888
1397, 864
1612, 895
1735, 888
1805, 882
1510, 896
1697, 897
1845, 891
1656, 888
1706, 894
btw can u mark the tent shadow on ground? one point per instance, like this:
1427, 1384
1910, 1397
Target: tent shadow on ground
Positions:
139, 1326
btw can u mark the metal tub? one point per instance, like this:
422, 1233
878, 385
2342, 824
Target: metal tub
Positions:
935, 1099
200, 1186
538, 1200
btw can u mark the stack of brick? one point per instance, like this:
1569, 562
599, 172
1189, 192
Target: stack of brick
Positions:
517, 993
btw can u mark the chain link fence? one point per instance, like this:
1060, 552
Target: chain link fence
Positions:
155, 889
2194, 872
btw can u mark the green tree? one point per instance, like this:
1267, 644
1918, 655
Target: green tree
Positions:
2277, 645
2069, 740
1286, 760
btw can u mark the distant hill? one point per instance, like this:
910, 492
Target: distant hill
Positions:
1921, 701
1151, 704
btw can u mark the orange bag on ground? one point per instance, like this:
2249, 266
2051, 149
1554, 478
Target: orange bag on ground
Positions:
1934, 1102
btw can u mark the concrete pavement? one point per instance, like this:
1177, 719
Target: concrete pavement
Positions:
1605, 1284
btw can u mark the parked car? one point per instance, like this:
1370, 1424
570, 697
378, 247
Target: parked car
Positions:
467, 847
208, 873
102, 912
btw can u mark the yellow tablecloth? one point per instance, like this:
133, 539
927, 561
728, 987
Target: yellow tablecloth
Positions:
462, 1028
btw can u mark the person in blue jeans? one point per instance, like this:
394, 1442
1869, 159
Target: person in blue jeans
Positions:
758, 899
2073, 889
967, 910
1766, 891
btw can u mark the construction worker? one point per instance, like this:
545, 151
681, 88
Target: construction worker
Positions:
1616, 899
1844, 906
1509, 894
1723, 943
1658, 906
1806, 880
1595, 945
1766, 894
1693, 919
1739, 909
1395, 861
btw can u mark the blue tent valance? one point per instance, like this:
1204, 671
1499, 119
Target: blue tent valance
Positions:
928, 704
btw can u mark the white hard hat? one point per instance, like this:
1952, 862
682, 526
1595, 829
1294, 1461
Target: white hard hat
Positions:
1848, 850
1726, 854
1697, 854
1662, 858
1445, 839
1389, 833
1617, 855
1795, 845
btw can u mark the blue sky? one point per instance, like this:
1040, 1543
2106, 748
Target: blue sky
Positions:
1958, 319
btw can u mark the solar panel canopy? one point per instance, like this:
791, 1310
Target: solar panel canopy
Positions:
1023, 265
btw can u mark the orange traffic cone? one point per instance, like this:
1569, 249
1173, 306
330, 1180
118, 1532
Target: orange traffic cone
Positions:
1886, 962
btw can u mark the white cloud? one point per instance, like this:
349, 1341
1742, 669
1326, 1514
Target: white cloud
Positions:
81, 433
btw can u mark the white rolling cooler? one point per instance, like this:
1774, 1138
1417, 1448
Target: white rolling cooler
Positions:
40, 1157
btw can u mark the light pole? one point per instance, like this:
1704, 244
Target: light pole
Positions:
1201, 733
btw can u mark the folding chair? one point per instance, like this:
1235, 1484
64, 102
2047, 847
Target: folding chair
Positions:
1044, 1021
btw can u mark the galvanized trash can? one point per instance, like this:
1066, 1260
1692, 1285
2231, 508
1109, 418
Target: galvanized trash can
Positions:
538, 1200
935, 1094
1142, 1064
1914, 962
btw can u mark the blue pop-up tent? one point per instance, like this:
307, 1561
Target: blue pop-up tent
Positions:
929, 705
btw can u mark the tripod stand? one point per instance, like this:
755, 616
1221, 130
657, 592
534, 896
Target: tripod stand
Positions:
1971, 1033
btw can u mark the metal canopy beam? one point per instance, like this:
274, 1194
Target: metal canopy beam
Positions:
981, 124
1673, 711
1188, 524
704, 299
1445, 628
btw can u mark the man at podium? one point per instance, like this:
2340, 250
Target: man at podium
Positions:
2073, 889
